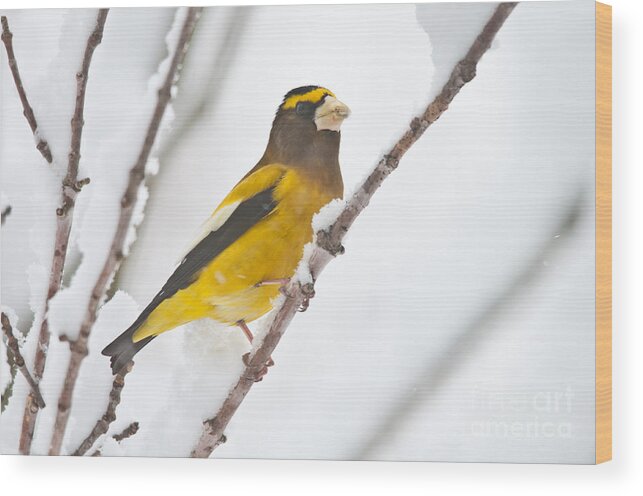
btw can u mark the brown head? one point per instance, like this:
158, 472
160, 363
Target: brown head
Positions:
306, 132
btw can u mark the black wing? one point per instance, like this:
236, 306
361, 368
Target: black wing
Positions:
246, 215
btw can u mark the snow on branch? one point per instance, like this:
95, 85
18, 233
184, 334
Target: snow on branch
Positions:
329, 240
14, 348
118, 247
71, 186
41, 143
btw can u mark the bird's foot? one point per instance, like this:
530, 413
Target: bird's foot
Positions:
308, 290
262, 371
246, 360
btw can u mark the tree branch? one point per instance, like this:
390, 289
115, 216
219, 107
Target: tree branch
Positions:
70, 189
14, 348
329, 241
7, 39
102, 425
129, 431
6, 395
8, 390
78, 346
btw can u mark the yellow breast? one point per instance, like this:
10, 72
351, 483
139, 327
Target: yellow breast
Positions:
271, 250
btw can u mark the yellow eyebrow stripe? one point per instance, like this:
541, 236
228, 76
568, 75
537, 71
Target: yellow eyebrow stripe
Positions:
312, 96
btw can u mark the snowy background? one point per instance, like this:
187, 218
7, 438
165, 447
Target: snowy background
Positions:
460, 323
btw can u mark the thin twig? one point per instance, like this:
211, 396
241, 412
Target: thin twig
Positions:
129, 431
7, 393
78, 346
329, 241
102, 425
14, 348
6, 211
64, 215
7, 39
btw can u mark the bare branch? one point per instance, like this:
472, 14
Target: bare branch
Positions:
129, 431
6, 395
329, 241
8, 390
78, 347
126, 433
7, 39
70, 189
102, 425
14, 348
6, 211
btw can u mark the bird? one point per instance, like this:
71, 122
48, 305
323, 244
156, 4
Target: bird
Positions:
251, 245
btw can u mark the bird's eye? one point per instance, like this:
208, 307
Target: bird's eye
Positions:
303, 108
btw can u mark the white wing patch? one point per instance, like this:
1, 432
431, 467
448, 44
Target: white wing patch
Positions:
212, 224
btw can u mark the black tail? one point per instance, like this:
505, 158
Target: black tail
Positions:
123, 348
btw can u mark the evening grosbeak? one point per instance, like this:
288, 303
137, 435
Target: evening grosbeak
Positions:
254, 240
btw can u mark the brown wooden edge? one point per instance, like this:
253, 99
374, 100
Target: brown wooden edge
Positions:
603, 232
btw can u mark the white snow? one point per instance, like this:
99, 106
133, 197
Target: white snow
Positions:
328, 214
302, 274
451, 34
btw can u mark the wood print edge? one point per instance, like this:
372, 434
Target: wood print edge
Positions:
603, 371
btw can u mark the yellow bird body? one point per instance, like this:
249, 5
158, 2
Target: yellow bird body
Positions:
226, 290
257, 234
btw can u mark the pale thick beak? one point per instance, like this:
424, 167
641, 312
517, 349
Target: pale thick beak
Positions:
331, 114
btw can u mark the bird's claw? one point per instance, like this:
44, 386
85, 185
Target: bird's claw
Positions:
308, 290
263, 371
